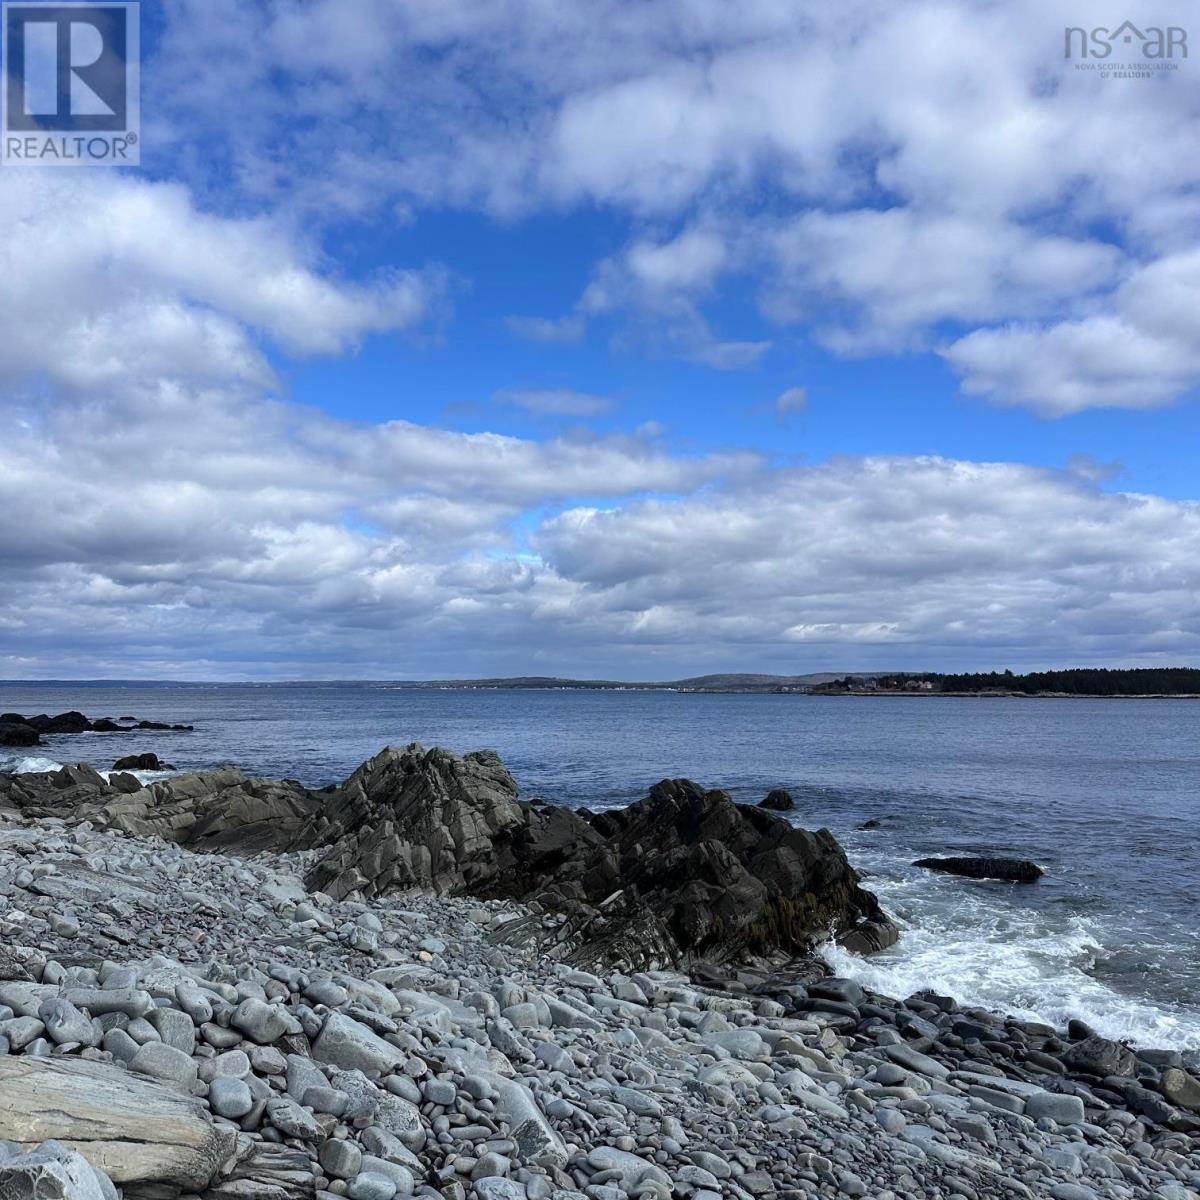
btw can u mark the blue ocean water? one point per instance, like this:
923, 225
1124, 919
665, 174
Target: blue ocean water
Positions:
1104, 794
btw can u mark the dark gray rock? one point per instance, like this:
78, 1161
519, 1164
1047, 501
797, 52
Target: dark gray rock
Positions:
778, 800
141, 762
17, 733
1098, 1056
1014, 870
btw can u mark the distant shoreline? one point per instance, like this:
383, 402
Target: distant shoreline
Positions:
1007, 695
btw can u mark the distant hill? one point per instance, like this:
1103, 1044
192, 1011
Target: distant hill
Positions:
698, 683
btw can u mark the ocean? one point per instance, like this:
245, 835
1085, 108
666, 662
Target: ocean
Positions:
1104, 794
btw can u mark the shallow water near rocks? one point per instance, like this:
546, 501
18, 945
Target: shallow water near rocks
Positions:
1104, 794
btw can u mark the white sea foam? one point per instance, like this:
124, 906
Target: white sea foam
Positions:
143, 776
958, 939
27, 764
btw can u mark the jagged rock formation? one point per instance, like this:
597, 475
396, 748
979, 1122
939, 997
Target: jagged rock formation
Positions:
415, 819
210, 810
684, 876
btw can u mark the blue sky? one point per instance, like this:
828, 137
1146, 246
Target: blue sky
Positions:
628, 340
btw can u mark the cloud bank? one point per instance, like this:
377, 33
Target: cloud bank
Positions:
890, 177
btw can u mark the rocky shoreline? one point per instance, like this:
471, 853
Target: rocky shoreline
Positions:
414, 984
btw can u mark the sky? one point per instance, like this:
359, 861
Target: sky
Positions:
615, 340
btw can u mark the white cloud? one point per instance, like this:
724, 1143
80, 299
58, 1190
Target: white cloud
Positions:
896, 274
260, 540
555, 402
114, 281
1140, 350
889, 174
565, 330
793, 400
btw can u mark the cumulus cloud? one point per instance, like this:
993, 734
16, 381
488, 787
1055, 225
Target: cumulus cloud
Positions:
1142, 350
257, 539
112, 281
894, 177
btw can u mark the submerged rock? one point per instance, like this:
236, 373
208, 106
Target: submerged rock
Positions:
778, 800
1015, 870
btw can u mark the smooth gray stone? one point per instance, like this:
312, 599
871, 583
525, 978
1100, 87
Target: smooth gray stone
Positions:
370, 1186
66, 1024
175, 1028
344, 1042
913, 1060
130, 1001
229, 1097
340, 1159
1065, 1110
260, 1022
164, 1062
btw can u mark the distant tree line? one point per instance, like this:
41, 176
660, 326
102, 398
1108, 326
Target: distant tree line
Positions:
1095, 681
1085, 681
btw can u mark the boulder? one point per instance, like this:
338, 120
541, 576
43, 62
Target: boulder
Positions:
1098, 1056
778, 800
347, 1043
1180, 1089
51, 1170
141, 762
135, 1131
17, 733
1014, 870
68, 722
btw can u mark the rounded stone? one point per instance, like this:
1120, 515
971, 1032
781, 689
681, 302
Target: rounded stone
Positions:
164, 1062
1065, 1110
229, 1097
341, 1159
371, 1186
259, 1021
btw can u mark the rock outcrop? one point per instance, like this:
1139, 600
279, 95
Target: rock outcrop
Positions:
133, 1130
141, 762
76, 722
210, 810
684, 874
15, 732
1014, 870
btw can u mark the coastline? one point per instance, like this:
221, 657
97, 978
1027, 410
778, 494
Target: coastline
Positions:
425, 1045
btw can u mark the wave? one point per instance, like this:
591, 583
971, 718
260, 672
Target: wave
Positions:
35, 764
27, 764
969, 942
